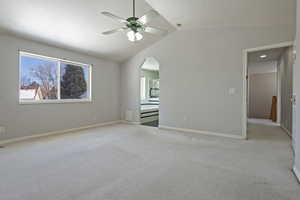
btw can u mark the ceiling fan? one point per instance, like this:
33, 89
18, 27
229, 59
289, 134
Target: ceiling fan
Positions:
135, 27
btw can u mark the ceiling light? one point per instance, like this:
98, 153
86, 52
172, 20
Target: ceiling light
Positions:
134, 36
263, 56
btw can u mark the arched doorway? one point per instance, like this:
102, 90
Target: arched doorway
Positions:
149, 92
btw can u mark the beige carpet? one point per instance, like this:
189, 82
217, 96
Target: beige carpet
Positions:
125, 162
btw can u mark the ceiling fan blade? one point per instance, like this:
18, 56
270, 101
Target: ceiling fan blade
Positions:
115, 17
114, 31
155, 31
149, 16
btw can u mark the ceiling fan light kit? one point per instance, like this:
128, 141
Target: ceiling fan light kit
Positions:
134, 36
135, 27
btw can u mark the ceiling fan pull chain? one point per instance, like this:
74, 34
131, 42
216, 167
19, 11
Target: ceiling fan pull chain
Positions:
133, 8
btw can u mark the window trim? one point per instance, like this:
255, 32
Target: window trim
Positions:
59, 60
143, 89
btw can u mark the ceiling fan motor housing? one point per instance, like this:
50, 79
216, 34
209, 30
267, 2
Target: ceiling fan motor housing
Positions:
134, 25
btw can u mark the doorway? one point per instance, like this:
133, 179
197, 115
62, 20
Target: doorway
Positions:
268, 86
149, 92
264, 87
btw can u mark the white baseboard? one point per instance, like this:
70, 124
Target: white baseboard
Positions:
293, 146
3, 142
203, 132
286, 130
297, 173
289, 134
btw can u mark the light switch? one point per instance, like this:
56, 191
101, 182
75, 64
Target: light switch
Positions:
232, 91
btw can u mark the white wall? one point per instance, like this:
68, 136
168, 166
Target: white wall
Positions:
285, 70
262, 88
26, 120
262, 67
297, 69
197, 69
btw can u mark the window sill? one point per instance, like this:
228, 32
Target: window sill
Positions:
22, 102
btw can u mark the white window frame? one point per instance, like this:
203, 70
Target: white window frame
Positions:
143, 89
58, 100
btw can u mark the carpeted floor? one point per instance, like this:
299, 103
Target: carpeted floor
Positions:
125, 162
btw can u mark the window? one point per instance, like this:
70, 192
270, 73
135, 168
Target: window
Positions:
51, 80
143, 88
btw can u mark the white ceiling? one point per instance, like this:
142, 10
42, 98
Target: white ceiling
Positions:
272, 55
257, 65
224, 13
76, 24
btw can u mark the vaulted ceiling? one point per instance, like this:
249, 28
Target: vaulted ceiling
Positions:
227, 13
78, 24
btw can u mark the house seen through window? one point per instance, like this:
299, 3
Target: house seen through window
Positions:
45, 79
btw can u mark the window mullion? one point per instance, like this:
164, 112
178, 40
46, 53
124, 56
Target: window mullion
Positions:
58, 79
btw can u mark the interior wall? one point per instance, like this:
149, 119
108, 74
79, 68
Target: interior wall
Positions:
297, 68
285, 68
262, 67
262, 88
201, 76
26, 120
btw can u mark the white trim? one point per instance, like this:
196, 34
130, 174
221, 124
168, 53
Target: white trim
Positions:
20, 139
244, 78
30, 102
289, 134
286, 130
293, 146
240, 137
91, 82
272, 46
297, 173
26, 53
58, 81
244, 93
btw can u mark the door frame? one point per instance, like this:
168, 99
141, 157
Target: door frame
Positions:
245, 80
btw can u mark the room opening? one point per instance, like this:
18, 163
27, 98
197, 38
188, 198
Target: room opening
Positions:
149, 93
270, 95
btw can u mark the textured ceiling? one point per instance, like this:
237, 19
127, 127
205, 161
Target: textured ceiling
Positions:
76, 24
227, 13
272, 55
